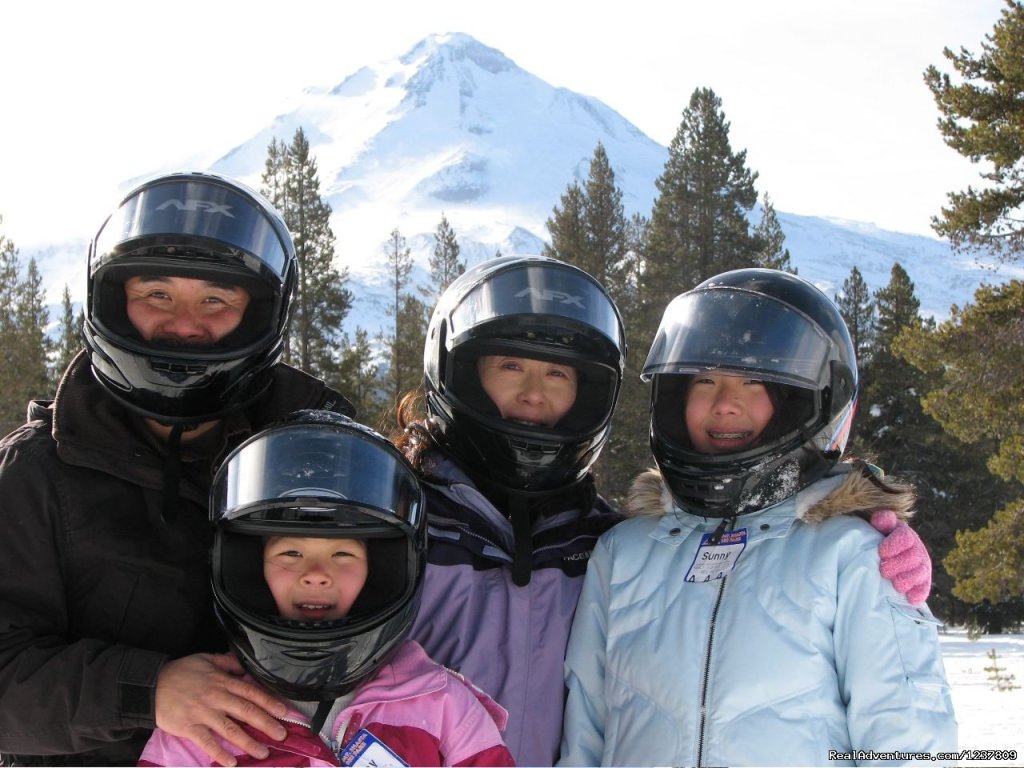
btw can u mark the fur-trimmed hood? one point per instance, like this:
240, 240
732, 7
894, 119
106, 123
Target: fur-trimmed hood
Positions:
862, 489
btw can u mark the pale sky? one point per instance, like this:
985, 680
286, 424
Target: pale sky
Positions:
826, 96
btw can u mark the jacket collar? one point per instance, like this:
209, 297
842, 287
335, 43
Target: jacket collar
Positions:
848, 488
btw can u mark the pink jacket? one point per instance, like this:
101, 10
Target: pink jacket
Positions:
424, 713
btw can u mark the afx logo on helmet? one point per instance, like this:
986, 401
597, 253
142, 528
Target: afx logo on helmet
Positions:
198, 205
548, 295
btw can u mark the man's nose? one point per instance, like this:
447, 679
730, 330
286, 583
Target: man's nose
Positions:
184, 324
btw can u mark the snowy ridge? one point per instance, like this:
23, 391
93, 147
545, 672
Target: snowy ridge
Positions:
455, 127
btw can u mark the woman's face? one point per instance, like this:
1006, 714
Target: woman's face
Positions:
726, 413
526, 390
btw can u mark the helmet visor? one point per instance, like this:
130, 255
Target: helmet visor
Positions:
306, 476
553, 304
185, 209
742, 331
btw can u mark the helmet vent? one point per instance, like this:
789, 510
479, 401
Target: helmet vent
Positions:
178, 369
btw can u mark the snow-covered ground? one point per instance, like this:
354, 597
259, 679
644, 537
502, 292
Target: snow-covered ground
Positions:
989, 719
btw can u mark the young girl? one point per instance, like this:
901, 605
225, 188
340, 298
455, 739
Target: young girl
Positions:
740, 617
317, 570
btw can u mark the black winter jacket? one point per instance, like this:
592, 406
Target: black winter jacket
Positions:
99, 585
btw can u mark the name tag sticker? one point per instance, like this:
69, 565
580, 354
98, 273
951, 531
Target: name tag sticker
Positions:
365, 749
715, 561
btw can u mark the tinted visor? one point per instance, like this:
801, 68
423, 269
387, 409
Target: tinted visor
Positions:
180, 209
742, 331
546, 298
312, 476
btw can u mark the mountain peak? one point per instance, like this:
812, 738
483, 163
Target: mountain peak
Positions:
434, 51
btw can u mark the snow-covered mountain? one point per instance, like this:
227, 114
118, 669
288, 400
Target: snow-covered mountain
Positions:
454, 127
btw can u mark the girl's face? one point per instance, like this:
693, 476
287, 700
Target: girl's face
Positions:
314, 579
528, 391
726, 413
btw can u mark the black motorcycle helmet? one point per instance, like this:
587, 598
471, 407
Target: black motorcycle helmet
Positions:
200, 226
527, 306
317, 474
767, 325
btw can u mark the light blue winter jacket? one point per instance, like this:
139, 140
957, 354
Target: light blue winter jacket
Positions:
800, 655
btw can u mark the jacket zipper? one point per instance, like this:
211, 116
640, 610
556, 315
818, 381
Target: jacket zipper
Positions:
730, 523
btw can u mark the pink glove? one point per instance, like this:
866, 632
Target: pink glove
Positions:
905, 561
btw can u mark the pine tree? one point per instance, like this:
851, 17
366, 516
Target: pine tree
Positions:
32, 317
567, 228
359, 378
628, 448
590, 230
891, 394
606, 225
445, 264
699, 224
24, 345
974, 357
976, 395
983, 119
857, 307
404, 347
69, 338
291, 183
769, 239
966, 378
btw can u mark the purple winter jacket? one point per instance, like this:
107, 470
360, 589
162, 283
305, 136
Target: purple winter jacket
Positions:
510, 640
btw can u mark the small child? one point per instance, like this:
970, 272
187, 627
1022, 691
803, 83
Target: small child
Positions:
739, 617
317, 567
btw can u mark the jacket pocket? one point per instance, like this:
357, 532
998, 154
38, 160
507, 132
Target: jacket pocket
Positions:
916, 631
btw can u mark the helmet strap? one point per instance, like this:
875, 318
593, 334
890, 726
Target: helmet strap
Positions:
172, 475
522, 538
323, 709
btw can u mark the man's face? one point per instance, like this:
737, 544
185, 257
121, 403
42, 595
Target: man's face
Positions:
184, 310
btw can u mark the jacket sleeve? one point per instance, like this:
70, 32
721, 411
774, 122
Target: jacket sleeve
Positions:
474, 737
586, 709
56, 696
889, 663
162, 749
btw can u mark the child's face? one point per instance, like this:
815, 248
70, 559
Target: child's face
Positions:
526, 390
314, 579
726, 413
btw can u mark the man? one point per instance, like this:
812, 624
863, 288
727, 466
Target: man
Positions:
106, 625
